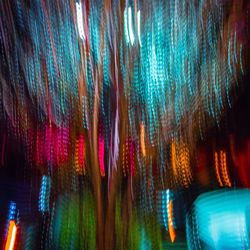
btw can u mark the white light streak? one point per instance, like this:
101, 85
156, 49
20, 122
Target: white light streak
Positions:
131, 32
139, 26
80, 20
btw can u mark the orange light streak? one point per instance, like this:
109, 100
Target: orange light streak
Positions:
185, 164
216, 160
142, 139
79, 157
173, 158
171, 229
225, 175
10, 243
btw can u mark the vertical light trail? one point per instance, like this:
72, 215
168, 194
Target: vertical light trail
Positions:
184, 164
171, 229
101, 154
11, 236
142, 139
44, 196
235, 48
173, 158
224, 169
139, 26
165, 202
80, 155
130, 27
80, 20
126, 26
216, 160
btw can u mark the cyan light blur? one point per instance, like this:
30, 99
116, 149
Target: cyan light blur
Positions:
220, 220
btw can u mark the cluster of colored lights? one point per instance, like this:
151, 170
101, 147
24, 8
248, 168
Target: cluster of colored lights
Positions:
168, 66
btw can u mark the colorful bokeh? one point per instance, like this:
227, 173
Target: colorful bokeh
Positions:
124, 124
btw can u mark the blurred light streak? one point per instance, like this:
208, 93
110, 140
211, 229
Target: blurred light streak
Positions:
80, 155
217, 168
125, 157
130, 27
184, 163
173, 158
142, 139
44, 196
12, 230
165, 198
221, 168
80, 20
139, 26
101, 154
171, 229
116, 139
224, 168
126, 32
